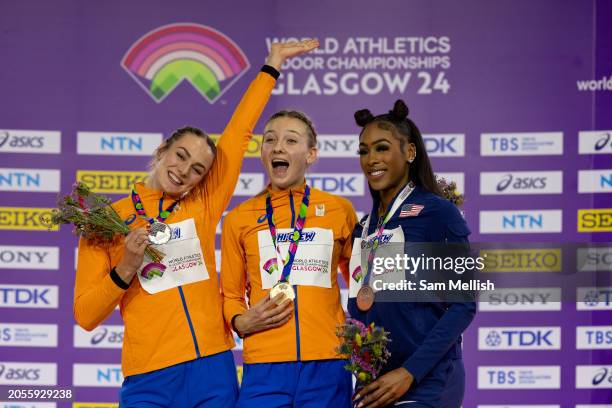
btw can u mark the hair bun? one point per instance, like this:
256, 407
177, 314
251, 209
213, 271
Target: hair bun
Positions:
400, 110
363, 117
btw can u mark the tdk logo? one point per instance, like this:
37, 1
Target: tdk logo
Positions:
29, 141
595, 142
118, 144
593, 337
29, 296
451, 145
591, 298
519, 338
346, 184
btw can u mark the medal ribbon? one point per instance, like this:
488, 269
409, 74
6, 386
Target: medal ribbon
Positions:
295, 236
161, 217
401, 197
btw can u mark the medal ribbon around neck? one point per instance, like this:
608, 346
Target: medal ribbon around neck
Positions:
401, 197
163, 214
295, 236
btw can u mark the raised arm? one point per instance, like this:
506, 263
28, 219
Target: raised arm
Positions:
221, 180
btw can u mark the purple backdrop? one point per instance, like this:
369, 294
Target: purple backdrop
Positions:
511, 67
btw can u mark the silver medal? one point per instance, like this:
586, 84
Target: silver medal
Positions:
160, 233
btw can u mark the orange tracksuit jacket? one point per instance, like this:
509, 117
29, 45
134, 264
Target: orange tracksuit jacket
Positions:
310, 333
183, 323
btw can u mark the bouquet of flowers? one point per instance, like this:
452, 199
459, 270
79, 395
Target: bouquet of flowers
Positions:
365, 347
449, 191
93, 217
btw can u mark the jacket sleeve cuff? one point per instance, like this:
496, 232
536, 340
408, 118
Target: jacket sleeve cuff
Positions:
270, 70
417, 370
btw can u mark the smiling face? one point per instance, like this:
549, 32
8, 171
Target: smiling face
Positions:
182, 165
383, 161
286, 152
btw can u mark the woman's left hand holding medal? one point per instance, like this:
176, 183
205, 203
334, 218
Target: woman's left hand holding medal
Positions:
265, 314
135, 243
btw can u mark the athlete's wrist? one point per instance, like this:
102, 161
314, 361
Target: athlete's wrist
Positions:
237, 326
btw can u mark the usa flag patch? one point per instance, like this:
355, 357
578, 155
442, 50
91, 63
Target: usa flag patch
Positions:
411, 210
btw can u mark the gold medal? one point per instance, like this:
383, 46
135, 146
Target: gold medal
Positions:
284, 288
365, 298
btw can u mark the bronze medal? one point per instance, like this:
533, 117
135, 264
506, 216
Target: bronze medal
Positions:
365, 298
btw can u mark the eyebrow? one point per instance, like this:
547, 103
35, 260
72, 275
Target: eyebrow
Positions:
376, 142
288, 130
189, 155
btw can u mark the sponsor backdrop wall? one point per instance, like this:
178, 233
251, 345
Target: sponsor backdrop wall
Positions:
514, 98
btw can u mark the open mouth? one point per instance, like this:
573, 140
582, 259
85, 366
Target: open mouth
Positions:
174, 179
376, 173
280, 167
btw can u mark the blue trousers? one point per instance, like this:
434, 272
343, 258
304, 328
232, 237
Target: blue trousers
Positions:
303, 384
443, 387
205, 382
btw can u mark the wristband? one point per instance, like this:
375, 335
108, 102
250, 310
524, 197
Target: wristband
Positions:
117, 279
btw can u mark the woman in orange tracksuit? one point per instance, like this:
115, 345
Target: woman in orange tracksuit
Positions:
290, 239
176, 343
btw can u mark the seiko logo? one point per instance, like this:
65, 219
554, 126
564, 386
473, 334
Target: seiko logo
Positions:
521, 183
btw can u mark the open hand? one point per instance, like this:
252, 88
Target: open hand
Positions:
279, 52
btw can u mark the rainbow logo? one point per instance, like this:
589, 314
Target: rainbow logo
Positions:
163, 58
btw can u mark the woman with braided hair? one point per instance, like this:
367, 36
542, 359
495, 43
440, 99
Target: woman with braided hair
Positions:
425, 368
